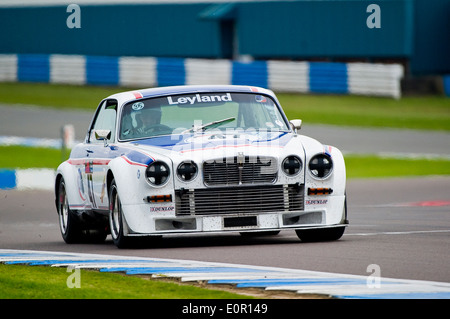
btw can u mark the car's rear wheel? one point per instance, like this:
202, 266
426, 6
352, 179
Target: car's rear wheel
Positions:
116, 217
68, 224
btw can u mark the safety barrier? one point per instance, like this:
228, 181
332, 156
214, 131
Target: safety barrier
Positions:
32, 178
446, 80
280, 76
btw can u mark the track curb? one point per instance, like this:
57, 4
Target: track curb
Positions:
301, 282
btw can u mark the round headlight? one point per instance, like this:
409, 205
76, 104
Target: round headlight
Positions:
187, 171
291, 165
321, 165
157, 173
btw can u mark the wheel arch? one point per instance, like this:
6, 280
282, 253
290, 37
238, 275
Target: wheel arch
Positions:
69, 173
58, 179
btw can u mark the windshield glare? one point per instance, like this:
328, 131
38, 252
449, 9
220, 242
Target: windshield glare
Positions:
179, 114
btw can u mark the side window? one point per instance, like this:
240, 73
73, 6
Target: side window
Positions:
105, 120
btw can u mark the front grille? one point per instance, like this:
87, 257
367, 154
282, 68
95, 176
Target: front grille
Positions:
240, 170
240, 200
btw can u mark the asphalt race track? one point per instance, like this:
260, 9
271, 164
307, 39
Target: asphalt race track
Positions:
400, 224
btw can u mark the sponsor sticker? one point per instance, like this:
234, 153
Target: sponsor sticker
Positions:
199, 98
260, 98
162, 209
316, 201
137, 106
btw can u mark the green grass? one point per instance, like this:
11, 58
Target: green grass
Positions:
424, 113
30, 157
358, 166
55, 95
368, 166
40, 282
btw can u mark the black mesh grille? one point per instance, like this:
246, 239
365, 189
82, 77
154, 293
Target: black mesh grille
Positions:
235, 171
238, 200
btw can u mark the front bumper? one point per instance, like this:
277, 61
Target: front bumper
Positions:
139, 220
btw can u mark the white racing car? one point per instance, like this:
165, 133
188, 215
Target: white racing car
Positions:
199, 159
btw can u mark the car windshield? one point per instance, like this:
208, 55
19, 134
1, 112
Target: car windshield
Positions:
201, 112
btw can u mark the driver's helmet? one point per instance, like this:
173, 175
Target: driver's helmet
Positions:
148, 116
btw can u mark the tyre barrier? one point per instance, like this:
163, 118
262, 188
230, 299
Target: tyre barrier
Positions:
282, 76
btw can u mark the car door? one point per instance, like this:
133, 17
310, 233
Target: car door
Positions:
98, 154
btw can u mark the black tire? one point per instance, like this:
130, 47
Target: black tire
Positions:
322, 234
116, 218
68, 224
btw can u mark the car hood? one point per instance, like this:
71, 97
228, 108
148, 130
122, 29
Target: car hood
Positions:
216, 145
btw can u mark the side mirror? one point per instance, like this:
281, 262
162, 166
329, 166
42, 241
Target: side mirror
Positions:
296, 125
104, 135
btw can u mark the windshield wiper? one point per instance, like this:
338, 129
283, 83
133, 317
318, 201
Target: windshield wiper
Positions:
209, 125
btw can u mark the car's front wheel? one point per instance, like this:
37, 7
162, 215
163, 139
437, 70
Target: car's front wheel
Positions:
116, 217
321, 234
